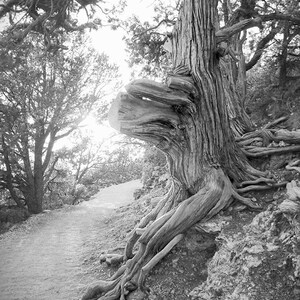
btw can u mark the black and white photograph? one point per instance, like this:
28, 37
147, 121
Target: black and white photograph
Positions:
149, 150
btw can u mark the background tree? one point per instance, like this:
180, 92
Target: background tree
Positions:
51, 19
191, 119
146, 41
44, 97
92, 164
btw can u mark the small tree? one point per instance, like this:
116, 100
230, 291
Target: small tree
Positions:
44, 97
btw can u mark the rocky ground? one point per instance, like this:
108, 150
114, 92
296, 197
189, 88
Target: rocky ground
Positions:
239, 255
244, 255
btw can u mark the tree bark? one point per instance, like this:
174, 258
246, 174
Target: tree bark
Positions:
9, 176
33, 190
189, 120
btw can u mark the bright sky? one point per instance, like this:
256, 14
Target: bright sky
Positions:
110, 41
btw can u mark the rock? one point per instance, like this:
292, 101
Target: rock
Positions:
289, 206
260, 262
255, 249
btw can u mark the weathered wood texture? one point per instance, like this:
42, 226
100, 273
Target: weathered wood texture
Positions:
188, 119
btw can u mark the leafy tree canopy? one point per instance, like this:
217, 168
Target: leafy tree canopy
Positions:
51, 19
278, 23
44, 97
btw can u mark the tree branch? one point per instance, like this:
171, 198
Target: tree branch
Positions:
72, 28
279, 16
66, 133
167, 21
262, 44
49, 150
50, 171
6, 8
224, 34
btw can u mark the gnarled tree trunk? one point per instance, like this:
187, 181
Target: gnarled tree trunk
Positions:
189, 120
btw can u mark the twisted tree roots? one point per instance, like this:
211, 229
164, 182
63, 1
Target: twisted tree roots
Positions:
165, 226
162, 229
266, 142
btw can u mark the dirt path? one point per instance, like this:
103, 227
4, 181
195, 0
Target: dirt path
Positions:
48, 257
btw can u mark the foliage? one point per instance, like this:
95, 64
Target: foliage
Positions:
52, 19
87, 165
274, 82
123, 162
281, 19
145, 39
155, 171
266, 100
155, 165
44, 97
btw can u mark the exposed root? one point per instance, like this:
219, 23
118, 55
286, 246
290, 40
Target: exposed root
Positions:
120, 271
259, 184
157, 234
266, 141
260, 187
160, 230
100, 288
175, 194
250, 202
292, 165
254, 173
153, 262
250, 141
275, 122
258, 180
264, 151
